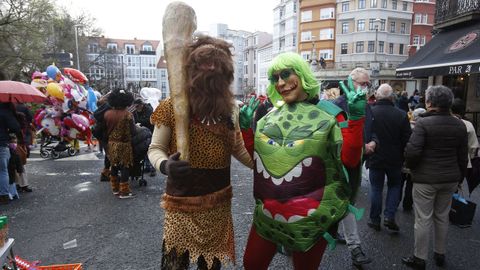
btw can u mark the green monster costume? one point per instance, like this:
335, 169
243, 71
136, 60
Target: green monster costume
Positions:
300, 183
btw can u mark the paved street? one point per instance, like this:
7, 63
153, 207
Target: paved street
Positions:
69, 202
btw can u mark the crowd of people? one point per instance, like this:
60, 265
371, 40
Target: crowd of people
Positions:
306, 149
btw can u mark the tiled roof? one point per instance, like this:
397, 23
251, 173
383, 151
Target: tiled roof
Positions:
162, 63
103, 41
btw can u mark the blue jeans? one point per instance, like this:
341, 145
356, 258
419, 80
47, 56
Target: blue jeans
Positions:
4, 179
394, 184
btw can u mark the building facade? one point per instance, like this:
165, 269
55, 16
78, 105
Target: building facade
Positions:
120, 63
422, 24
373, 34
252, 43
162, 77
316, 32
285, 27
264, 58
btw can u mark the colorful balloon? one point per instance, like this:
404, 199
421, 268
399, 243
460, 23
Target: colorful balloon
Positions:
49, 125
52, 72
81, 121
55, 90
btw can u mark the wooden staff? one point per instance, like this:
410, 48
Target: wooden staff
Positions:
179, 23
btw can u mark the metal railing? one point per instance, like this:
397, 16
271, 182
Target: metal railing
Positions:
452, 9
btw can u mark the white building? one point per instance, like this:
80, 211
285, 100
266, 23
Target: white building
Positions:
162, 76
285, 25
264, 58
119, 63
252, 44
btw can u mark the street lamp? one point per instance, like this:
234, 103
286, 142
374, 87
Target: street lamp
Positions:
377, 20
76, 44
313, 60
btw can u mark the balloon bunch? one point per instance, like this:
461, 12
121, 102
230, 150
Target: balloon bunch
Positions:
68, 113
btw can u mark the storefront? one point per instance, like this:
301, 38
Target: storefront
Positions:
451, 58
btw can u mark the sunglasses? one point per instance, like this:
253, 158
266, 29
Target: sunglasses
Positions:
284, 74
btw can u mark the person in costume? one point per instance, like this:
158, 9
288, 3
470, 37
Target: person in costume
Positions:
120, 129
301, 150
198, 224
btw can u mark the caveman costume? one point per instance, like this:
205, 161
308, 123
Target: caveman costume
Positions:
302, 150
198, 223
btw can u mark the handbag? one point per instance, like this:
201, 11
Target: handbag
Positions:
462, 211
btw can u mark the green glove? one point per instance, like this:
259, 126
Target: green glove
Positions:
246, 113
356, 100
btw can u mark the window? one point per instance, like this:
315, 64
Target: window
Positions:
425, 18
130, 49
305, 55
93, 48
384, 3
112, 47
361, 25
390, 48
306, 36
326, 54
344, 27
382, 24
418, 18
361, 4
400, 50
394, 4
371, 46
371, 24
422, 40
373, 3
359, 47
392, 27
147, 48
326, 34
327, 13
306, 16
403, 28
405, 6
380, 46
416, 40
344, 48
163, 74
345, 6
294, 41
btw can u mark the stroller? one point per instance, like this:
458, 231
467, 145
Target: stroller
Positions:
52, 146
140, 142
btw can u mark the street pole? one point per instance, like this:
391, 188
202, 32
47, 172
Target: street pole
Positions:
76, 45
375, 45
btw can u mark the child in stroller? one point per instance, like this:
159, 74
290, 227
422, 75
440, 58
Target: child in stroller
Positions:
140, 141
53, 146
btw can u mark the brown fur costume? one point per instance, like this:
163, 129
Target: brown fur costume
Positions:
210, 72
198, 223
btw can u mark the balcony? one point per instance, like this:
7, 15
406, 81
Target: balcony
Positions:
452, 12
147, 52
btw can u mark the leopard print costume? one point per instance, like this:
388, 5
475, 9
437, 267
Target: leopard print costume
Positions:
200, 229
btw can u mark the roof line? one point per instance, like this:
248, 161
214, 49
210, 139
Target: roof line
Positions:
440, 65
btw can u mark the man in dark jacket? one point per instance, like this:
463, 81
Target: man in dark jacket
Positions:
142, 114
9, 124
392, 128
437, 157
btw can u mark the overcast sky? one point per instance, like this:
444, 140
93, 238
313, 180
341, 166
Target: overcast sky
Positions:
142, 19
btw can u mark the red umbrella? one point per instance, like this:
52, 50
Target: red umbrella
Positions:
18, 92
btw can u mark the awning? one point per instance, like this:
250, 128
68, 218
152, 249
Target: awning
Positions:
452, 52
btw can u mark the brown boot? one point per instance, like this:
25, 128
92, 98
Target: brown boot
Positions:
105, 175
125, 191
115, 184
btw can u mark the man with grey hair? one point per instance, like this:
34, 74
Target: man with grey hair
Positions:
359, 80
392, 128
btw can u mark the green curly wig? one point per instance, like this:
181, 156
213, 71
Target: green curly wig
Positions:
290, 60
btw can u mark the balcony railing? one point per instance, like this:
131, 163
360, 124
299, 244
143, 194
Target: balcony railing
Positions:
456, 10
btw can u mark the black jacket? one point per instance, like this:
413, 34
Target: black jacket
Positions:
143, 117
8, 124
392, 129
437, 150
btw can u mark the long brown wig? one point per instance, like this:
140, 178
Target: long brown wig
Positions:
209, 91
